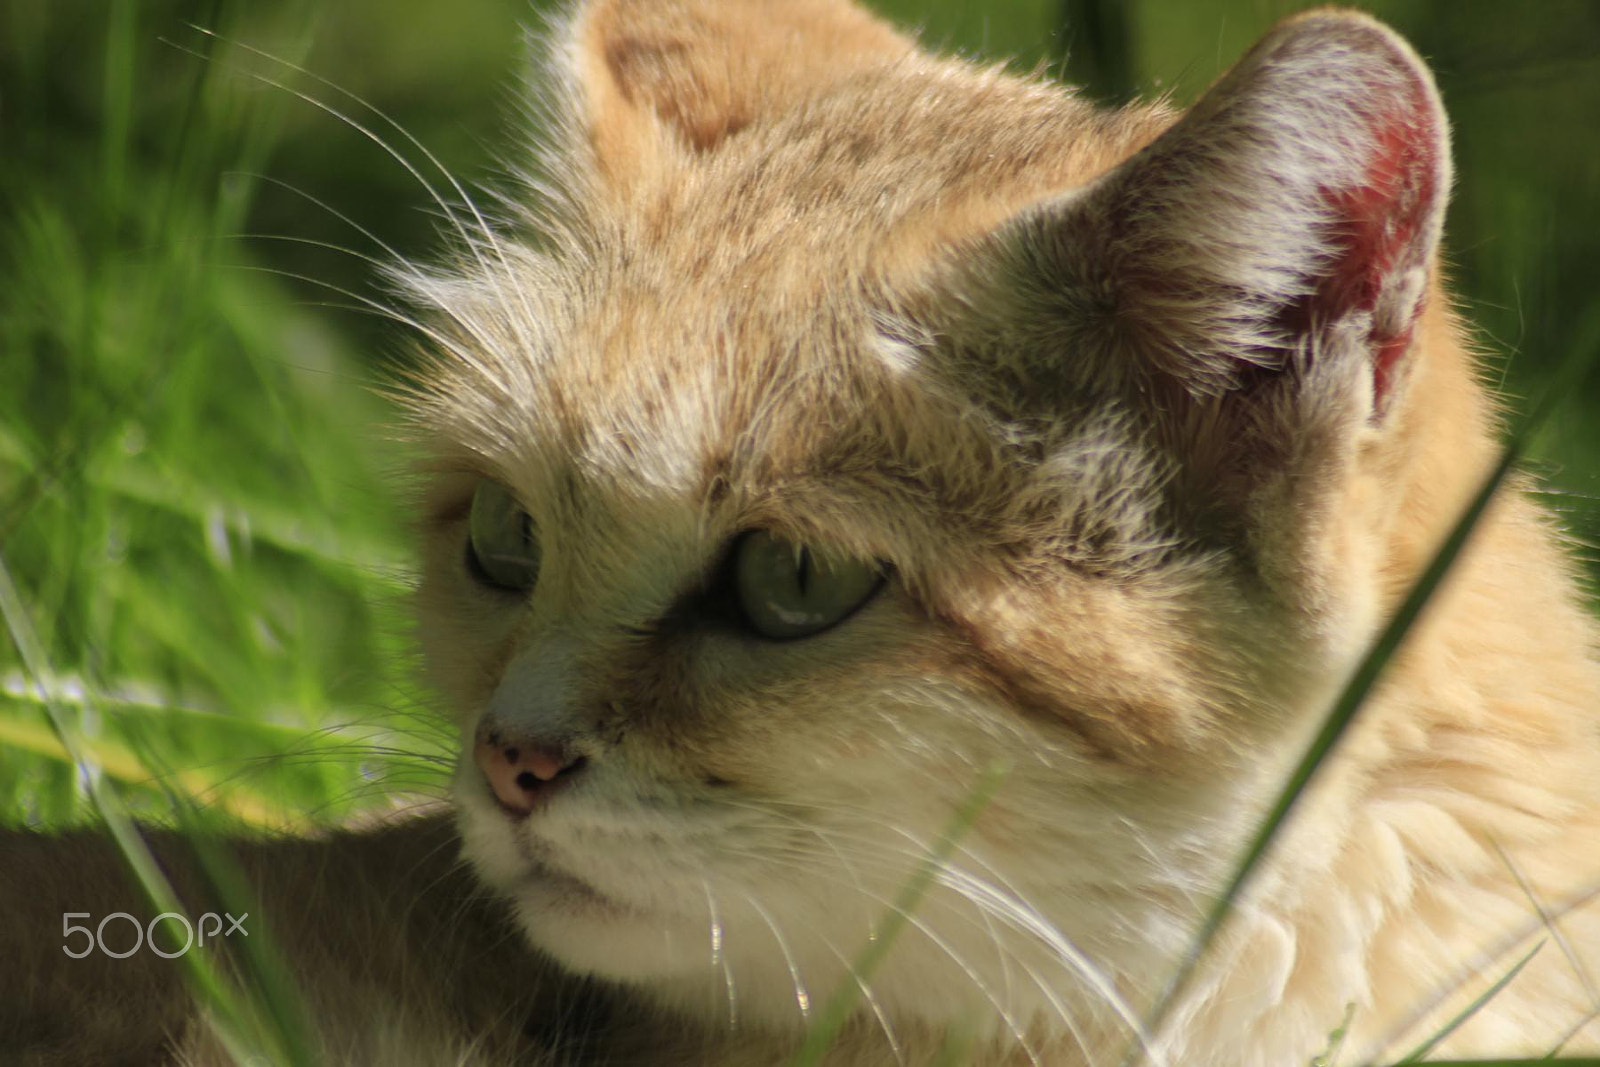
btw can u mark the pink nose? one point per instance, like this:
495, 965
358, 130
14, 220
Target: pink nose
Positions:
522, 772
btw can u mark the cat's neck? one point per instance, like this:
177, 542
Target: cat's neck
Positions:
1451, 815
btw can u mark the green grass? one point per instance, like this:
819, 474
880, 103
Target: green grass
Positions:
198, 501
191, 492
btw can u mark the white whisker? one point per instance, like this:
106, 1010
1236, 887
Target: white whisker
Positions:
719, 955
484, 228
802, 997
484, 373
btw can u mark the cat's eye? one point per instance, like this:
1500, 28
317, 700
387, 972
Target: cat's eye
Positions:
502, 550
786, 590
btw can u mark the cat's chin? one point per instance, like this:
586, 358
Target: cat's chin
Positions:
592, 935
583, 925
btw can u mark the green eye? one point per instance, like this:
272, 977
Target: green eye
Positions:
502, 550
786, 590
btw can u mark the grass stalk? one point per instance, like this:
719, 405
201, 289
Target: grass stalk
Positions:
239, 1025
1433, 1041
841, 1003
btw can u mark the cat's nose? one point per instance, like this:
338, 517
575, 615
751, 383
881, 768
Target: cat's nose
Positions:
522, 772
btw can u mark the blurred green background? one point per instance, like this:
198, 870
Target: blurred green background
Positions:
199, 503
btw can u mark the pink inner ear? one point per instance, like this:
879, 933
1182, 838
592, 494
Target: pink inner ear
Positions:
1383, 232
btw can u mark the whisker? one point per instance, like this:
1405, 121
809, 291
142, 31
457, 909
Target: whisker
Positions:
289, 187
1016, 1030
1025, 919
802, 998
484, 229
871, 999
1009, 907
719, 955
310, 242
487, 376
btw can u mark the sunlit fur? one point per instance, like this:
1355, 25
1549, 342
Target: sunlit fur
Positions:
785, 271
1151, 420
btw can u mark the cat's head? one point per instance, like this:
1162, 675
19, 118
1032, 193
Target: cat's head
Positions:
864, 429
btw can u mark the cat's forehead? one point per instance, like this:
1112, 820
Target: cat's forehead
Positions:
754, 282
872, 179
726, 312
668, 388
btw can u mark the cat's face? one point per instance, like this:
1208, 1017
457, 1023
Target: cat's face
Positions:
756, 794
774, 516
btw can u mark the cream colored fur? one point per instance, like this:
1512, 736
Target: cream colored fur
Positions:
1149, 478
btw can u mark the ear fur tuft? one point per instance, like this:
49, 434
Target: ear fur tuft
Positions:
695, 72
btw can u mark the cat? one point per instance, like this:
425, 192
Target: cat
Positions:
871, 450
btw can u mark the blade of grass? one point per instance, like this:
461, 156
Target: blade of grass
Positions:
309, 537
1572, 1061
119, 763
1503, 947
263, 967
842, 1001
231, 1018
1549, 921
214, 783
1362, 680
1329, 1056
1416, 1054
1572, 1031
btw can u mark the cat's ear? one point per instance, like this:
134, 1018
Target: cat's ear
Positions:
1292, 216
663, 76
